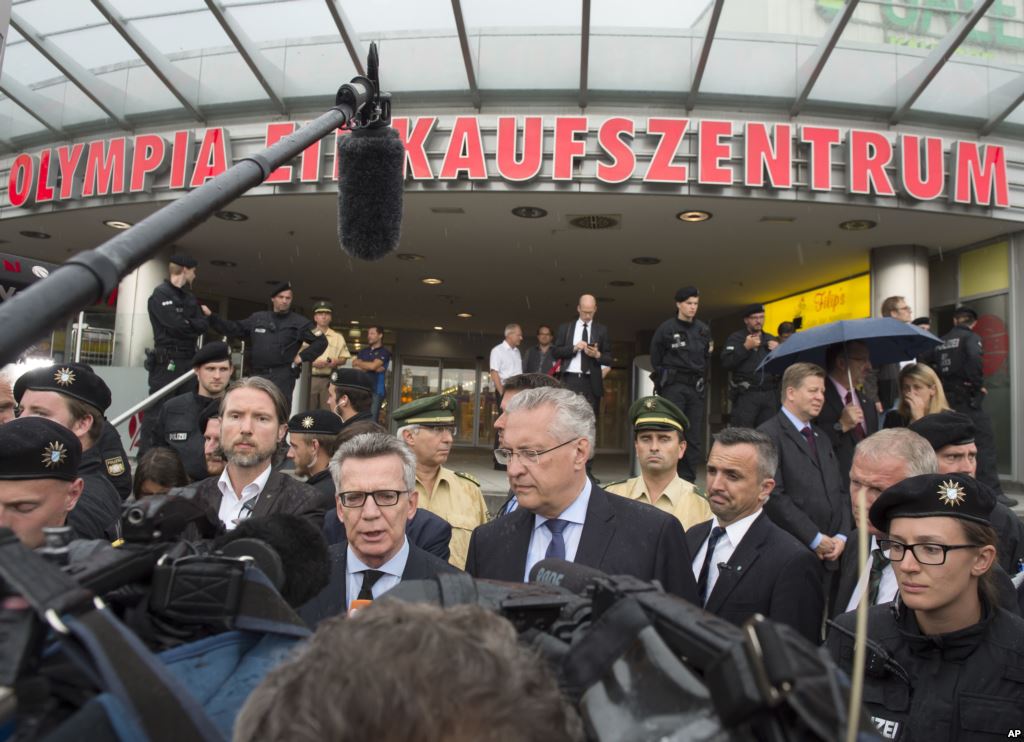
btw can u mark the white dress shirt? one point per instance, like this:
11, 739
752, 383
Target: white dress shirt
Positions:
231, 503
506, 360
576, 362
576, 514
392, 569
887, 588
724, 549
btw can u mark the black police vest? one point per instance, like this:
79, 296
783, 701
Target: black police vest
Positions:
951, 355
180, 431
276, 339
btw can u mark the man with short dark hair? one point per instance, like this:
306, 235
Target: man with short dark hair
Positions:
374, 475
374, 359
755, 394
74, 396
808, 500
253, 424
744, 564
350, 395
39, 482
209, 423
539, 359
786, 331
178, 426
312, 441
546, 444
276, 337
848, 416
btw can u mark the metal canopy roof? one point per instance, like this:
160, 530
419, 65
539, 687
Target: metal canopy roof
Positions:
76, 66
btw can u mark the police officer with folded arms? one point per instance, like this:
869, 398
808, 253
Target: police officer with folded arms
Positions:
944, 661
755, 394
276, 337
680, 350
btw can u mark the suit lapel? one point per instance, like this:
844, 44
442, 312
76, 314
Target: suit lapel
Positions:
416, 566
746, 553
515, 537
269, 494
799, 441
598, 530
697, 536
333, 599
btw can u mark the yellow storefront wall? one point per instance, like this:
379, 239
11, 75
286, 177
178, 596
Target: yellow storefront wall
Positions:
848, 299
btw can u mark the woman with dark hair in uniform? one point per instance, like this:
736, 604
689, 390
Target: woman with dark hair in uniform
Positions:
944, 662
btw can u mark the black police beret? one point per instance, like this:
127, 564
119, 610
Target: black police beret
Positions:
350, 378
933, 495
37, 448
211, 353
317, 422
753, 309
209, 412
946, 428
686, 292
965, 312
921, 321
184, 261
277, 288
75, 380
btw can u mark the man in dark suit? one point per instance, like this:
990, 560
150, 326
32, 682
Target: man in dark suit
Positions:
583, 348
848, 416
254, 419
879, 462
743, 563
548, 437
376, 476
809, 500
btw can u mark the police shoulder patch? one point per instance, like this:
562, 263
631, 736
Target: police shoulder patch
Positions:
115, 466
468, 477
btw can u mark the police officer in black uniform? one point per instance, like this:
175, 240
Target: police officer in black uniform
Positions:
350, 395
178, 426
958, 362
312, 441
755, 394
276, 336
944, 661
680, 350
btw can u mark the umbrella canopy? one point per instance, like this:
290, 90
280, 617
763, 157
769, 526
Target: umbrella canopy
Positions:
888, 341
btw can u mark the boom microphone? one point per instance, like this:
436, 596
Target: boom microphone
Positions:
559, 573
370, 183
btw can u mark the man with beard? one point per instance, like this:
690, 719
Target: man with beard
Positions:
178, 426
350, 396
209, 423
253, 424
312, 441
276, 337
755, 394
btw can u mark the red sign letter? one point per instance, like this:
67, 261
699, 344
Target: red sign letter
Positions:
711, 151
180, 157
309, 172
19, 182
275, 132
213, 156
465, 151
975, 181
528, 166
567, 146
44, 188
922, 181
867, 154
149, 158
819, 159
609, 137
661, 169
762, 156
104, 167
415, 145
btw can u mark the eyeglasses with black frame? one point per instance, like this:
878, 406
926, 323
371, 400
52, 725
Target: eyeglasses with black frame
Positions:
383, 498
925, 553
504, 455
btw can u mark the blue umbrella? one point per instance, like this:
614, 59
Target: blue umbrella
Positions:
888, 341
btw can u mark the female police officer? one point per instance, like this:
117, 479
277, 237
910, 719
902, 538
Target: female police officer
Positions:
944, 662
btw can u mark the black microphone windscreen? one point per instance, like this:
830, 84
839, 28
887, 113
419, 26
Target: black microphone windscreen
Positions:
370, 187
299, 544
560, 573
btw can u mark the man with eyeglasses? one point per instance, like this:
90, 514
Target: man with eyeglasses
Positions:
427, 427
375, 475
888, 375
548, 437
253, 422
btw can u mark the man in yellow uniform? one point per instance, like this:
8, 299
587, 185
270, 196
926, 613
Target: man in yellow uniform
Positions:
659, 438
427, 426
335, 356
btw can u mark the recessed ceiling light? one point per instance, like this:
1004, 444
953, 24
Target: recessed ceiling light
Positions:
463, 315
646, 261
34, 235
621, 284
408, 256
529, 212
353, 322
116, 224
595, 221
431, 281
231, 216
693, 216
230, 264
854, 225
438, 327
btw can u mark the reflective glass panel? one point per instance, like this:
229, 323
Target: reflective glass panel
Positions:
15, 122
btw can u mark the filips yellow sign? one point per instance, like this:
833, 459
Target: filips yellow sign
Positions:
849, 299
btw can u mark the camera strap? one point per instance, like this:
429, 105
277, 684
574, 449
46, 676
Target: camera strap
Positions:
148, 702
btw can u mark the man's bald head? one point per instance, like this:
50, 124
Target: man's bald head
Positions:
587, 307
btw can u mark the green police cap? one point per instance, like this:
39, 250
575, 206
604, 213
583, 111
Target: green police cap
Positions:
657, 413
323, 306
437, 410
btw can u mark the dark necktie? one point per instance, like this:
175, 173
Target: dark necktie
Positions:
808, 435
556, 549
858, 430
702, 580
878, 562
585, 337
370, 578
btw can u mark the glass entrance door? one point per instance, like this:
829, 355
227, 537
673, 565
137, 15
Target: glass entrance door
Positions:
423, 377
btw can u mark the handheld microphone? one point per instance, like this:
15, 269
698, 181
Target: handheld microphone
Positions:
559, 573
370, 184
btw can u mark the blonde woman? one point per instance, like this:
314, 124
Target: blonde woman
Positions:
920, 394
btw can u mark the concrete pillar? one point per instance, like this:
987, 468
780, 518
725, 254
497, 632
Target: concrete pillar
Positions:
900, 270
132, 330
